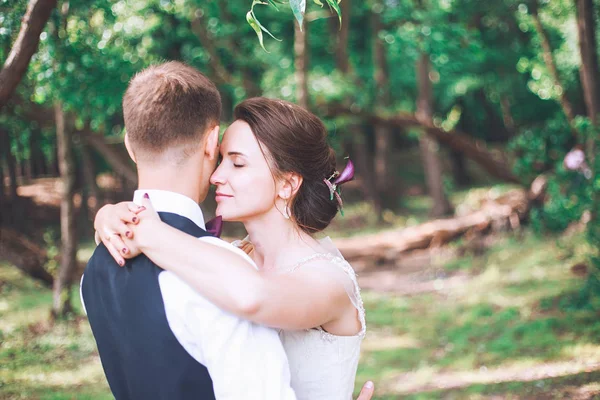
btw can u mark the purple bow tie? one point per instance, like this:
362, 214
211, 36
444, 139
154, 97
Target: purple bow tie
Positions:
215, 226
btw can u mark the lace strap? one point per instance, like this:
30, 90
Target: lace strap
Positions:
353, 292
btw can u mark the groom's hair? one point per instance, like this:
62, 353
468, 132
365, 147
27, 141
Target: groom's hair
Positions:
169, 105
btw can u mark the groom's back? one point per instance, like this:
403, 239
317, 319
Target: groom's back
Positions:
140, 355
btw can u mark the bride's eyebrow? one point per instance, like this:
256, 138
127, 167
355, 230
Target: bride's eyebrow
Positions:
235, 153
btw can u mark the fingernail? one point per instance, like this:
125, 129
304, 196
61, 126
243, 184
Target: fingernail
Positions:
146, 196
124, 250
369, 385
128, 234
121, 263
134, 219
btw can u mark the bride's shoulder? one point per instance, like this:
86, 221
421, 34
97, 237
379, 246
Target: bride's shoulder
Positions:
320, 261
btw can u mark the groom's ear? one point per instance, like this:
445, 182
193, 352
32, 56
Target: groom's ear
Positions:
129, 149
211, 144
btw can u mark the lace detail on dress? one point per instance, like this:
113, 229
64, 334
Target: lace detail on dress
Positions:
355, 298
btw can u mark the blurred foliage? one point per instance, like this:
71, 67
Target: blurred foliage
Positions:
490, 78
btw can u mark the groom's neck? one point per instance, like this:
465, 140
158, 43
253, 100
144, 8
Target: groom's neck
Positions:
180, 180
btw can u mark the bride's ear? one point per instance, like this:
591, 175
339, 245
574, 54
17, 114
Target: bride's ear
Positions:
290, 185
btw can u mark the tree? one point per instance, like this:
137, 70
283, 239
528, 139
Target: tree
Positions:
38, 13
429, 148
586, 29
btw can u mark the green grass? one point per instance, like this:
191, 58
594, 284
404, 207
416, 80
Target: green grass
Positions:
511, 314
40, 361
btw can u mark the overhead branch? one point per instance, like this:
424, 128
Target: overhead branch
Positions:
473, 149
36, 16
551, 65
222, 75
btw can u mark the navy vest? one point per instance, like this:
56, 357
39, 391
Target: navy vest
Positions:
141, 357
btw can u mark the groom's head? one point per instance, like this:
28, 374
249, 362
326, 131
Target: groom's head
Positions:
172, 114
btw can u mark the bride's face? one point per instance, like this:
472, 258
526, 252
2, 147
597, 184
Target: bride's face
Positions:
245, 186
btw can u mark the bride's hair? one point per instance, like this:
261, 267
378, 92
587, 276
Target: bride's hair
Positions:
294, 140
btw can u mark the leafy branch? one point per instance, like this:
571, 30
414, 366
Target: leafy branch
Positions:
298, 8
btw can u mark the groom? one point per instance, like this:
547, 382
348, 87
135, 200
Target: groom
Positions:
157, 338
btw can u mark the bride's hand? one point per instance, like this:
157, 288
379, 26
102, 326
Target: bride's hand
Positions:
113, 227
367, 391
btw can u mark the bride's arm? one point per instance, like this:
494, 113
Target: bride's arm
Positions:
300, 300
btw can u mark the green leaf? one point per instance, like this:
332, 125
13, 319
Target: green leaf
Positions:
335, 5
318, 2
298, 8
255, 25
264, 29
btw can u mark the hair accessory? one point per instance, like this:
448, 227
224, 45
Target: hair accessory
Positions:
346, 175
215, 226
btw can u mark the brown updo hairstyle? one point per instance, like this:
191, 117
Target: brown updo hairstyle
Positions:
296, 141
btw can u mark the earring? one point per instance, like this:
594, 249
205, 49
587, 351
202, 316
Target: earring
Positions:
286, 212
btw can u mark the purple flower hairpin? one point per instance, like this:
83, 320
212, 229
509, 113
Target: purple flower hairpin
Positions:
215, 226
346, 175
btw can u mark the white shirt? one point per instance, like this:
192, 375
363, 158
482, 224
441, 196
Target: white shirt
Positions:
245, 360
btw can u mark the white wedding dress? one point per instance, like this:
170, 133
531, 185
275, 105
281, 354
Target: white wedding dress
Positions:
323, 366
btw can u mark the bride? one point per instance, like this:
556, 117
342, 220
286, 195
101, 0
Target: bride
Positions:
277, 176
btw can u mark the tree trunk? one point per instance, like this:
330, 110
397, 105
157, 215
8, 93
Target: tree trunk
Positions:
301, 63
36, 16
90, 187
37, 158
342, 59
429, 148
2, 192
589, 56
459, 169
364, 166
507, 117
11, 162
62, 284
21, 162
383, 181
551, 65
119, 162
586, 29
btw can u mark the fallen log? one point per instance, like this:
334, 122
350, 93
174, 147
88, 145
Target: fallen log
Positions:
24, 254
504, 212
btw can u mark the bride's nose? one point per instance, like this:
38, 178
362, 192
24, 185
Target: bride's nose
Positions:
217, 178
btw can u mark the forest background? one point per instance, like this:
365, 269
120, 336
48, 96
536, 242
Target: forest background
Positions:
473, 221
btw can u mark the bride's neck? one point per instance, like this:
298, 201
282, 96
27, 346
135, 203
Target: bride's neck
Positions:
275, 240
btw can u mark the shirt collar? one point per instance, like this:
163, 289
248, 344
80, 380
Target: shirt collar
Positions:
176, 203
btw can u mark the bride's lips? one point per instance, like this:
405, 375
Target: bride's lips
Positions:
221, 196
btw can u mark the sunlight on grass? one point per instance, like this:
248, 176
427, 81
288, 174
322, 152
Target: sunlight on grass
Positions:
496, 327
82, 374
503, 330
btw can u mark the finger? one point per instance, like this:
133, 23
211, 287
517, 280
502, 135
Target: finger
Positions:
119, 245
134, 208
134, 251
127, 216
117, 230
367, 391
115, 253
149, 211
